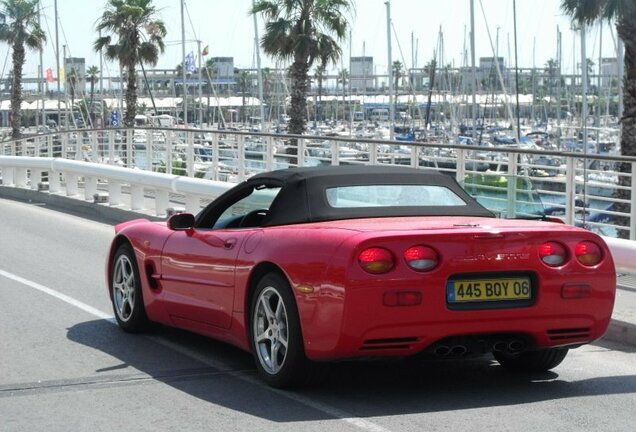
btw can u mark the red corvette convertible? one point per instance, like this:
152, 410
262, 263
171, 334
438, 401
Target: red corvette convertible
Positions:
307, 265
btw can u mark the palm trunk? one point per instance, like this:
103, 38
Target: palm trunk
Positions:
131, 95
16, 91
628, 121
298, 111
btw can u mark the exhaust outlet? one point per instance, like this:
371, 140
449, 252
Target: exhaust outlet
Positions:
442, 351
516, 345
500, 346
459, 350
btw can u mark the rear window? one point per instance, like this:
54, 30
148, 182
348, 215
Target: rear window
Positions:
391, 196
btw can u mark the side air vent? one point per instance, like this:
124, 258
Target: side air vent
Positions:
388, 344
568, 334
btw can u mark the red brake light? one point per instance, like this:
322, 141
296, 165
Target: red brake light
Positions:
376, 260
588, 253
421, 258
553, 254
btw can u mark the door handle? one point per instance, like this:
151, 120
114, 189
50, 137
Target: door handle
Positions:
229, 243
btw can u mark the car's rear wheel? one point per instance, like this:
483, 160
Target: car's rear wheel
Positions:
532, 361
276, 336
125, 291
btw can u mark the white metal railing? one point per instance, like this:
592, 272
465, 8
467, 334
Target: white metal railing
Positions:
579, 188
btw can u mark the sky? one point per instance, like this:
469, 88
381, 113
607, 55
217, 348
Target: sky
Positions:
228, 30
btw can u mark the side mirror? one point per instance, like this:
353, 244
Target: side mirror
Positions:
181, 222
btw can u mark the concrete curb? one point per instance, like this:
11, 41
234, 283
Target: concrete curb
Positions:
622, 332
103, 213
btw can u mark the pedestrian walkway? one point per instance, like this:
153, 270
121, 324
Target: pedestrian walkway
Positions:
623, 326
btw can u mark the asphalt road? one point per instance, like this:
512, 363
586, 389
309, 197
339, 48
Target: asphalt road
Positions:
64, 365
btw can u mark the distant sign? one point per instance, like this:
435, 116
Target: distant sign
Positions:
115, 118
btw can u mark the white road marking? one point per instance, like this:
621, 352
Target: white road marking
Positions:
70, 300
319, 406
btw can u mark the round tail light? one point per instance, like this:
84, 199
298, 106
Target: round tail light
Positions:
421, 258
588, 253
553, 254
376, 260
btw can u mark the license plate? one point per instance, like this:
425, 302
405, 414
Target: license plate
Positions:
480, 290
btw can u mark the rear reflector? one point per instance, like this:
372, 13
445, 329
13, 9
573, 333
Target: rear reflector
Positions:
421, 258
553, 254
588, 253
576, 291
402, 298
376, 260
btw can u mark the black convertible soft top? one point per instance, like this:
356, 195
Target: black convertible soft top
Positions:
302, 197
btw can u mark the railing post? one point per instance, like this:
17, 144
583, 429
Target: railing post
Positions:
114, 193
130, 163
36, 178
111, 146
215, 156
54, 181
300, 160
71, 184
94, 146
64, 143
512, 185
414, 156
570, 190
193, 203
269, 156
373, 153
240, 149
90, 188
632, 217
149, 150
190, 154
136, 197
8, 174
335, 152
460, 167
162, 201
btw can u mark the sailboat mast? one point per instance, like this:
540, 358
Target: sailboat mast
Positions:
473, 67
259, 71
41, 86
390, 71
57, 63
183, 68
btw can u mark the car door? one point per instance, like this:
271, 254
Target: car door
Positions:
198, 276
198, 264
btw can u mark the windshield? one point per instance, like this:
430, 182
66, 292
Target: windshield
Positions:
508, 196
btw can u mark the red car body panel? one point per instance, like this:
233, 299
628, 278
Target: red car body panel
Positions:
201, 280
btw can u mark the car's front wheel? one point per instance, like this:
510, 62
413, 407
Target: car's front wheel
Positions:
125, 291
276, 336
532, 361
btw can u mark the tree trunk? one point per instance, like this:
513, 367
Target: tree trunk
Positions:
298, 111
16, 91
131, 95
628, 121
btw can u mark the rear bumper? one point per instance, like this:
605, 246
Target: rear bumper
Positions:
362, 326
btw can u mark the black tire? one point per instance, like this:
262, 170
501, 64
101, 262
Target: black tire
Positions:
532, 361
125, 291
276, 337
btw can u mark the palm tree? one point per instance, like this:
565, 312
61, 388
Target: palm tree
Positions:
398, 70
343, 79
72, 78
319, 74
301, 31
244, 82
210, 68
139, 39
92, 73
624, 13
20, 29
